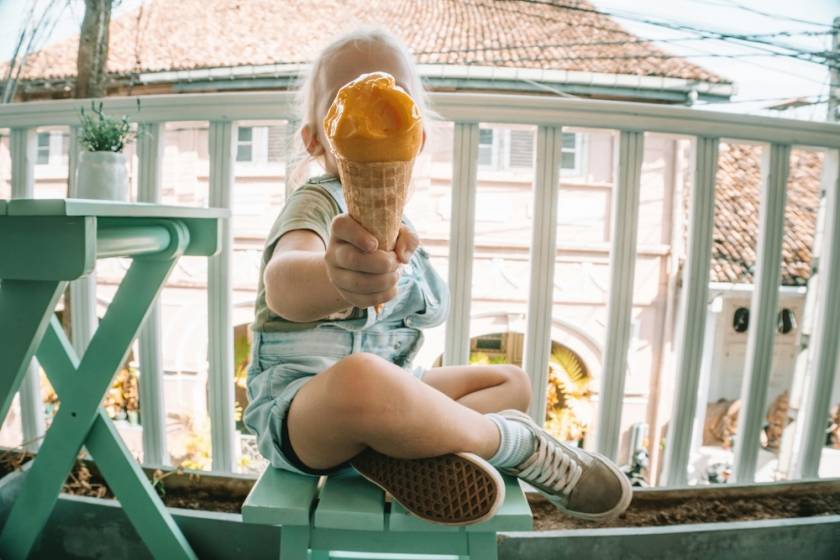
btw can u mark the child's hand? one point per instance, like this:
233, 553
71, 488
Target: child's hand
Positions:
364, 275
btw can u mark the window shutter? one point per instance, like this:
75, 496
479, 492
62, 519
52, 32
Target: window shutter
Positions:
277, 141
521, 148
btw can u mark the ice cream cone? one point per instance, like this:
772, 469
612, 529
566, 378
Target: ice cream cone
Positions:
376, 193
375, 131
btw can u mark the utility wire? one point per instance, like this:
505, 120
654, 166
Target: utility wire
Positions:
692, 38
771, 15
795, 52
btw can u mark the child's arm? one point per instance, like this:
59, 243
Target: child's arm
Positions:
306, 281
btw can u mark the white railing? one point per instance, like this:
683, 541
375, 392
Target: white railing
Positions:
550, 115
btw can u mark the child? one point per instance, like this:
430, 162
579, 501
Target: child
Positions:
330, 383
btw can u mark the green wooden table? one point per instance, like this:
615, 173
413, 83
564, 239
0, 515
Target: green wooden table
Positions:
43, 245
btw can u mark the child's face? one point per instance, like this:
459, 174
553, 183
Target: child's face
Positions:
346, 66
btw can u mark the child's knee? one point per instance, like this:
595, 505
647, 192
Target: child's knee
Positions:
520, 385
361, 384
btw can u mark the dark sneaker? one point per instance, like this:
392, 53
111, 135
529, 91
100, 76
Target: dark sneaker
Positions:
454, 489
582, 484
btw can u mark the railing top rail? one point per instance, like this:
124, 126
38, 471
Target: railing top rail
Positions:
462, 107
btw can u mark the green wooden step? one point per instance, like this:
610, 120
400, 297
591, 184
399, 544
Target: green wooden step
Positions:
348, 501
280, 498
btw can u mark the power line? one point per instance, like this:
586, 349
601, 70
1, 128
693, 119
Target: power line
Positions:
795, 52
763, 13
651, 42
662, 56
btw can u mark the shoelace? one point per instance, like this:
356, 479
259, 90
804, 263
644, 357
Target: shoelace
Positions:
552, 467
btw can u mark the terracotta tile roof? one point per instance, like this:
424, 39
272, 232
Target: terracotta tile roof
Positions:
736, 215
191, 34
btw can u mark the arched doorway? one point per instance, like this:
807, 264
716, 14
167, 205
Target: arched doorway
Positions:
569, 408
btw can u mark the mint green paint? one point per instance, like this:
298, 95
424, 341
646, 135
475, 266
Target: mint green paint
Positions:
141, 503
350, 514
348, 501
43, 244
203, 223
131, 241
46, 247
280, 498
24, 312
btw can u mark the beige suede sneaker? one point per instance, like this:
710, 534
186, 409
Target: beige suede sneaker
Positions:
582, 484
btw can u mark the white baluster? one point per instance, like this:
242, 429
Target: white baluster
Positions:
623, 235
692, 327
461, 240
83, 318
152, 405
823, 367
759, 362
23, 151
220, 304
543, 252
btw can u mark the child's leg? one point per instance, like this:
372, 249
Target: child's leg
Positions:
365, 401
483, 388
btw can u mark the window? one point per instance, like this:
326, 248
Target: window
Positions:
485, 147
245, 143
522, 148
261, 144
786, 321
510, 150
570, 154
741, 320
43, 148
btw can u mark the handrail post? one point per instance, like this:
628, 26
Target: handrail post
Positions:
775, 166
153, 414
810, 432
22, 147
220, 304
623, 236
543, 255
692, 327
83, 318
461, 243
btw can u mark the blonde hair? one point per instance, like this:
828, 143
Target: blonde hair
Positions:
313, 103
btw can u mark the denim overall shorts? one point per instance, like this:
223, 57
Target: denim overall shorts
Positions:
282, 362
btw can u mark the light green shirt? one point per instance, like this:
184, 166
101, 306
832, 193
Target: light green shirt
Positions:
310, 207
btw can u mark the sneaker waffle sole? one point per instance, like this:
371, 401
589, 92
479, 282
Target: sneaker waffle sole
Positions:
454, 489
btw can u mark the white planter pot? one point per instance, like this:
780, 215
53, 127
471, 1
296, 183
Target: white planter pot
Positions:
101, 175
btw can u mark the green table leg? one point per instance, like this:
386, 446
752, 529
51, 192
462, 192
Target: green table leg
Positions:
294, 542
79, 409
482, 546
139, 500
29, 306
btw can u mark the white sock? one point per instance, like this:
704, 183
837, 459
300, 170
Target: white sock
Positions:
516, 442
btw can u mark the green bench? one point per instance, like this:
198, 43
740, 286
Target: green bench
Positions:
349, 514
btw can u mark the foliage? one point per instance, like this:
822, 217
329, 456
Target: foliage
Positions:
197, 451
122, 401
568, 399
101, 133
123, 398
482, 359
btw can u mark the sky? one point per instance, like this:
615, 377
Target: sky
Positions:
757, 75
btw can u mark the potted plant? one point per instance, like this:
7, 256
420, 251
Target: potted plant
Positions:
101, 170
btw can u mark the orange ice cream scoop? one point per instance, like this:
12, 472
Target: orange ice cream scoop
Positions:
373, 120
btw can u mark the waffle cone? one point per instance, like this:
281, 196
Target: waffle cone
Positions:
376, 193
